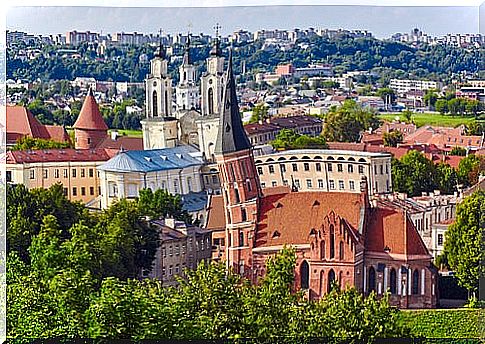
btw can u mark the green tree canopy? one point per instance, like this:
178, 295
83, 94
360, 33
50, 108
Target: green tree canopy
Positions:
392, 139
289, 139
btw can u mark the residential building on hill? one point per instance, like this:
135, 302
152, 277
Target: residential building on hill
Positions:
181, 247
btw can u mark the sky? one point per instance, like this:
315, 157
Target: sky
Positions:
382, 21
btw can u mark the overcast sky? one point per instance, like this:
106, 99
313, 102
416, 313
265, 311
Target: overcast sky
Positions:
381, 21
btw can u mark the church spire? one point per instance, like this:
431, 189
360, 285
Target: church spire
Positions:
231, 136
160, 52
187, 60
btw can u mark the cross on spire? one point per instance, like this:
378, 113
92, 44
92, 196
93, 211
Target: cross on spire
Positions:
217, 27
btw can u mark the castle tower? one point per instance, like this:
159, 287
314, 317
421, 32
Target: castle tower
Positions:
159, 128
187, 93
90, 128
239, 181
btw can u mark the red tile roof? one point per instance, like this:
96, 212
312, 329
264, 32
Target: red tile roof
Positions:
21, 123
126, 142
294, 214
90, 118
215, 213
56, 155
391, 227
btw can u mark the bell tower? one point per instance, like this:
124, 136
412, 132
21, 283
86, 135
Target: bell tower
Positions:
187, 93
160, 127
239, 181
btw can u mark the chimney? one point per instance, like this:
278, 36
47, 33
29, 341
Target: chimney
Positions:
170, 222
114, 135
268, 120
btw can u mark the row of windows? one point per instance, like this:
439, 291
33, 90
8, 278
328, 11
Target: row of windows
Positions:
172, 271
318, 168
320, 184
45, 173
371, 281
381, 169
83, 191
181, 249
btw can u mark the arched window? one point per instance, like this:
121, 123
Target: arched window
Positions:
155, 103
189, 183
332, 242
185, 76
166, 103
393, 281
210, 99
372, 279
415, 284
341, 251
304, 275
241, 239
322, 282
322, 249
244, 216
236, 194
340, 279
331, 279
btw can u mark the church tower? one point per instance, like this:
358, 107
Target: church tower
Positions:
187, 93
90, 128
239, 181
211, 84
159, 127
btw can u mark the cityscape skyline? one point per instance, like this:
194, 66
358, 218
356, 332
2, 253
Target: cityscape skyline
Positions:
379, 20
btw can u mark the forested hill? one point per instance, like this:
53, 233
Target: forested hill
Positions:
387, 59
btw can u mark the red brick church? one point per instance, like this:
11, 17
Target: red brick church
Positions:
338, 237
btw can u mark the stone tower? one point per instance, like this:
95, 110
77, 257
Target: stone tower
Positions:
159, 128
187, 93
90, 128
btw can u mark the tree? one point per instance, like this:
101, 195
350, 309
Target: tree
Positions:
447, 178
387, 94
348, 122
162, 204
441, 106
464, 240
260, 113
458, 151
413, 174
473, 107
29, 143
289, 139
392, 139
407, 114
470, 168
430, 98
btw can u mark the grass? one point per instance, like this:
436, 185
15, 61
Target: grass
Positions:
445, 323
129, 132
430, 119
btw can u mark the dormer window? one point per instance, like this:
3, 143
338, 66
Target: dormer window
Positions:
276, 234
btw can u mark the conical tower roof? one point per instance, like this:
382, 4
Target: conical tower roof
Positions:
90, 117
187, 60
231, 136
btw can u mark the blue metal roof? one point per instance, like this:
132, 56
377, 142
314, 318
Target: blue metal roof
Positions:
194, 201
153, 160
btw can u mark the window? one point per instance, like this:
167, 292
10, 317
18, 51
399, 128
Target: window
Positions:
340, 168
320, 183
361, 169
214, 179
271, 169
91, 190
283, 168
393, 281
332, 242
74, 173
91, 173
244, 216
74, 191
305, 275
350, 168
295, 167
263, 185
375, 169
163, 271
83, 191
164, 251
331, 280
170, 251
273, 183
377, 186
241, 239
89, 140
387, 185
8, 176
45, 173
382, 169
332, 184
189, 184
309, 183
260, 170
322, 249
170, 270
32, 174
351, 185
64, 190
387, 169
56, 173
175, 186
329, 165
415, 283
177, 269
318, 167
177, 249
64, 173
83, 173
372, 279
341, 185
341, 251
306, 166
236, 195
440, 239
297, 183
